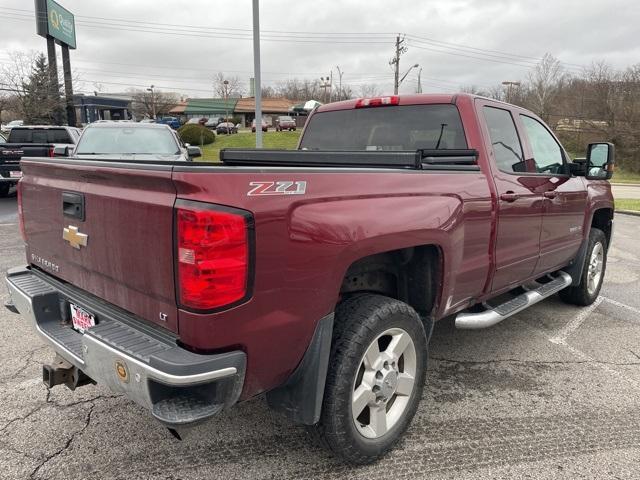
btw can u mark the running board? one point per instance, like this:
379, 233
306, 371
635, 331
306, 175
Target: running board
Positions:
488, 318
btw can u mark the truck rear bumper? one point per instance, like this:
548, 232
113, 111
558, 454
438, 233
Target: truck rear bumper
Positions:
145, 363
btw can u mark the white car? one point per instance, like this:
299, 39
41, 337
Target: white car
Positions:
15, 123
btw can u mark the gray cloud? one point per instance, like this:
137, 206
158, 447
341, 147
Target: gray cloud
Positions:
577, 32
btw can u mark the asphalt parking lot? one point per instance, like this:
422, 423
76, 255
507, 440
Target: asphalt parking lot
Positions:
553, 392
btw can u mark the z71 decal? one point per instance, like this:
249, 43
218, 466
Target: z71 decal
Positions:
277, 188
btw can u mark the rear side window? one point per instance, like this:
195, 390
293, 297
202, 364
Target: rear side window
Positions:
546, 151
44, 135
505, 142
402, 127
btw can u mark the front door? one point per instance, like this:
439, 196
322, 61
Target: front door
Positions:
565, 197
519, 199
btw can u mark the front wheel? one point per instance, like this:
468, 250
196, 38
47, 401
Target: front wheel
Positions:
375, 377
595, 263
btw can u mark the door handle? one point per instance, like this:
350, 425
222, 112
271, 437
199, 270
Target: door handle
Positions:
550, 194
509, 196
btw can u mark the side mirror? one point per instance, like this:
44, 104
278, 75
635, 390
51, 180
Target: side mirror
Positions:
193, 152
600, 161
60, 151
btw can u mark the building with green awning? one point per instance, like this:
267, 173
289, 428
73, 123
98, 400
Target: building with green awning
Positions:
209, 107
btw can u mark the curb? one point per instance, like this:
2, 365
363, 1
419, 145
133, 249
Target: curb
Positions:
625, 184
633, 213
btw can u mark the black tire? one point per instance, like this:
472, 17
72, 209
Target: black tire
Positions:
360, 320
5, 187
581, 294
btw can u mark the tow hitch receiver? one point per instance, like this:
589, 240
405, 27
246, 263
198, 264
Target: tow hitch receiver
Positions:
61, 371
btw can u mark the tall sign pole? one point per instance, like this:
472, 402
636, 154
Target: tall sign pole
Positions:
256, 71
54, 85
57, 25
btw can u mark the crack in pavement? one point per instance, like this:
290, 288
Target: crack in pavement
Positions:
68, 443
28, 360
533, 362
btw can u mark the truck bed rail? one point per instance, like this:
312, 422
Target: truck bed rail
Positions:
416, 160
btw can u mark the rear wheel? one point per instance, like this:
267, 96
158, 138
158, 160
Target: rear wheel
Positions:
375, 378
595, 263
4, 189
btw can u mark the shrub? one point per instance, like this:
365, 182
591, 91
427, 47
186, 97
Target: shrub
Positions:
196, 134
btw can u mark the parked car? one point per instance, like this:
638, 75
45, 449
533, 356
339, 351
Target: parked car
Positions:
312, 275
265, 126
6, 128
285, 123
136, 141
147, 120
226, 128
212, 123
31, 141
173, 122
198, 121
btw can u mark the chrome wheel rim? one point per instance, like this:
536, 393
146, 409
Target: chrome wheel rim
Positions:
384, 383
594, 269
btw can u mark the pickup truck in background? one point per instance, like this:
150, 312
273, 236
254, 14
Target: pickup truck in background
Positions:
313, 275
30, 141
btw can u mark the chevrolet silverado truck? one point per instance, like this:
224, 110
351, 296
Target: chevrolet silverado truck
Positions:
31, 141
315, 275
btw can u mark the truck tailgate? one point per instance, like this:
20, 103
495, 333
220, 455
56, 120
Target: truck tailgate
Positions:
128, 221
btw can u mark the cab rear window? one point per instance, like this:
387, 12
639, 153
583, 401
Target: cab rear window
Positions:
402, 127
43, 135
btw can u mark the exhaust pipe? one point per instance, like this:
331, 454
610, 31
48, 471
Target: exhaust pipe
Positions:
62, 372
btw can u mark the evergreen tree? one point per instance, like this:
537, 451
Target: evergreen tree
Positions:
42, 102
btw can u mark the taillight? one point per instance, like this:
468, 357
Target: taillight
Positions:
20, 216
213, 252
377, 101
51, 152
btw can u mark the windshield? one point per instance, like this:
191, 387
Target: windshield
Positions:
124, 140
410, 127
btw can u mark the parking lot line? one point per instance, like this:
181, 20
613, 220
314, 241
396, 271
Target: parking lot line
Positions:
573, 325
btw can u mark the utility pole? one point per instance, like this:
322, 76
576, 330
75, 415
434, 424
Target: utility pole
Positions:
256, 71
340, 73
509, 86
325, 83
153, 101
395, 62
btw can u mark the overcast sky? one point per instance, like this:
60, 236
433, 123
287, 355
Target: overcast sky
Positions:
179, 45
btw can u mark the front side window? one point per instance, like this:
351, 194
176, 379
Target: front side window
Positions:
546, 151
505, 142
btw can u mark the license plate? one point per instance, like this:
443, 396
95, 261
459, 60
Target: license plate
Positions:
15, 174
81, 319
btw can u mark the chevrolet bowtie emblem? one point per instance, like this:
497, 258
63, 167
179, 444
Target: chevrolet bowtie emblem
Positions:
74, 237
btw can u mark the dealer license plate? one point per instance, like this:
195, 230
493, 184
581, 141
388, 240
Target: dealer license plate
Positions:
81, 319
15, 174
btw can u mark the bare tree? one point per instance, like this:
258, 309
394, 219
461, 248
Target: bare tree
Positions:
545, 81
370, 90
145, 103
27, 78
233, 88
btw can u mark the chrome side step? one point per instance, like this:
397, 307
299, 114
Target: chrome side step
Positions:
488, 318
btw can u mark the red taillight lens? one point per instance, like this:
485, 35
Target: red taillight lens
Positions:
51, 152
213, 257
378, 101
20, 216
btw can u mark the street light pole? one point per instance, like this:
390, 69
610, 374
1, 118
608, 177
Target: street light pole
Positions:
226, 101
419, 81
340, 73
153, 101
405, 75
256, 71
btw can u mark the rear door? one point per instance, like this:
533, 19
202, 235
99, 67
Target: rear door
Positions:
124, 213
565, 197
519, 198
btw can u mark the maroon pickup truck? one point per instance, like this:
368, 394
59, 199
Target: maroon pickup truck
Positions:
314, 275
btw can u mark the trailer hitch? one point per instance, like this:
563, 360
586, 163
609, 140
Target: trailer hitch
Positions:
61, 371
